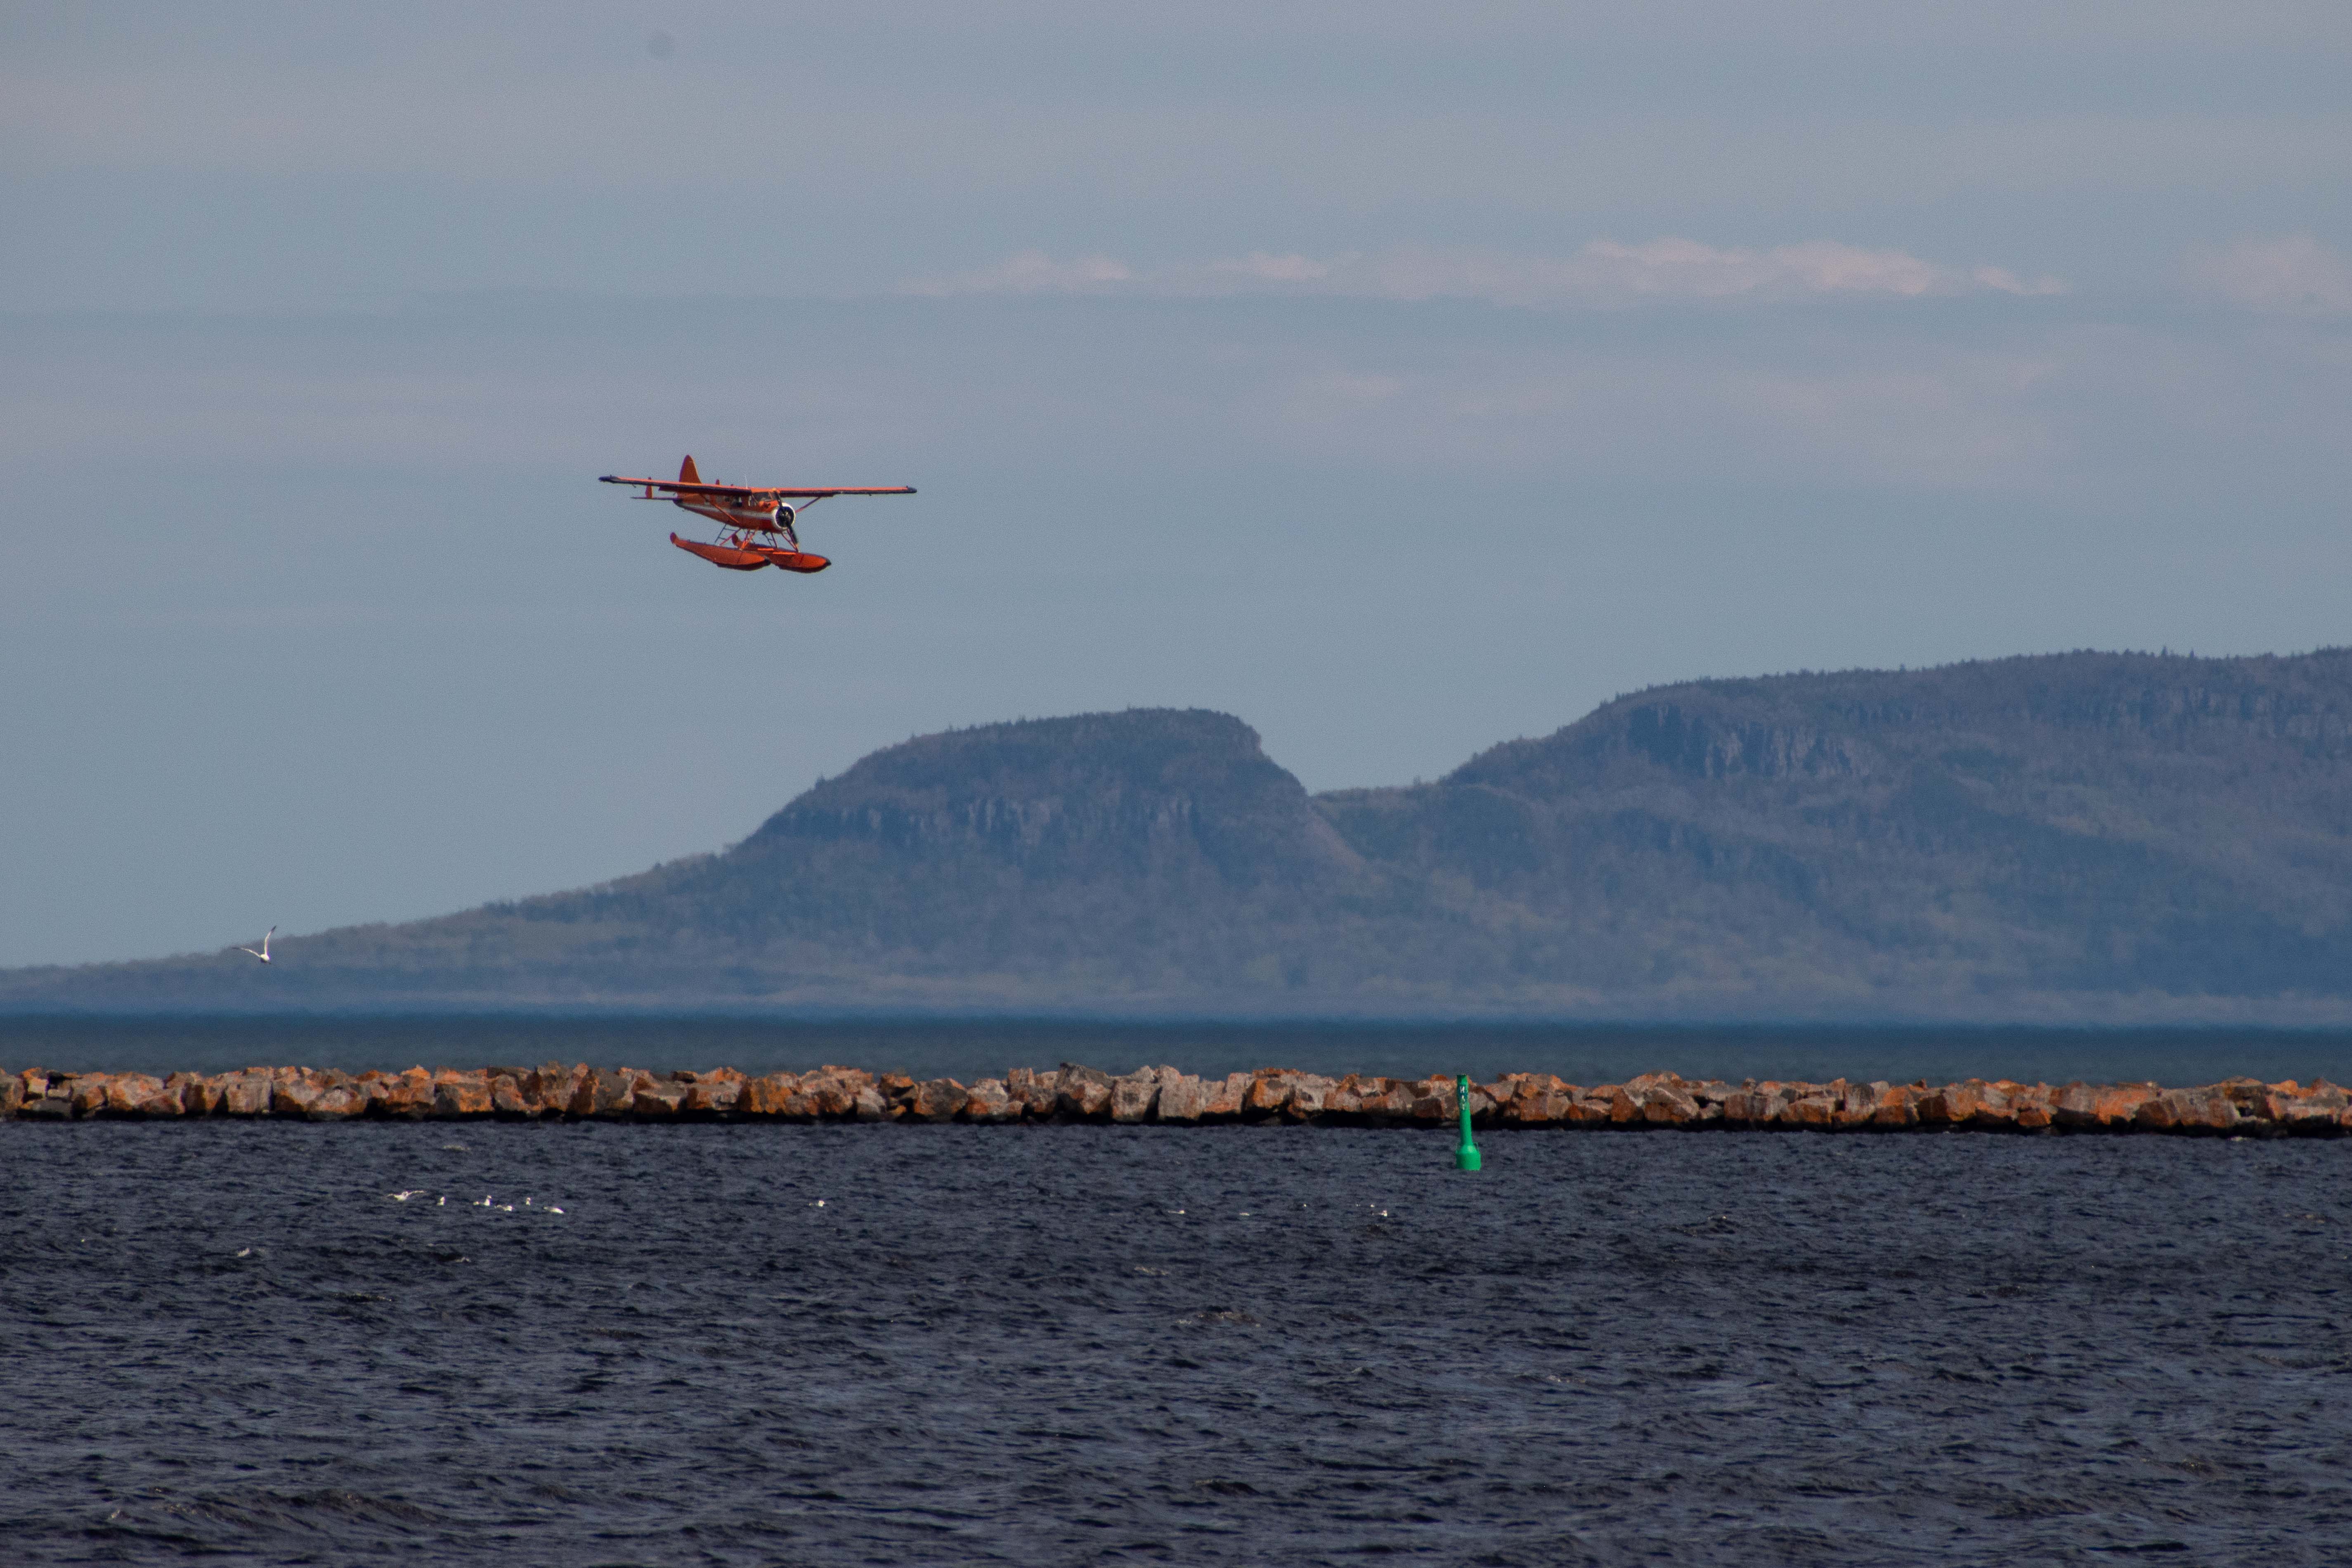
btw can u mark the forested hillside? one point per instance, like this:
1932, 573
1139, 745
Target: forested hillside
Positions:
2073, 835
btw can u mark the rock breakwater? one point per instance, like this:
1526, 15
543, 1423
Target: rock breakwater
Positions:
1164, 1096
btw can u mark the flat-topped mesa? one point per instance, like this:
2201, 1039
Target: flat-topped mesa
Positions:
1165, 1097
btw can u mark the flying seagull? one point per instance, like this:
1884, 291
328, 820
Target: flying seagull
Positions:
263, 952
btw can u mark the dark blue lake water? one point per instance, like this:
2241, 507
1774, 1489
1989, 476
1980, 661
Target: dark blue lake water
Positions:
972, 1049
776, 1344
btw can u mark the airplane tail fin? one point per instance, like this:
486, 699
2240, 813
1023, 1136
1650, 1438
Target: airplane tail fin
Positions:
686, 474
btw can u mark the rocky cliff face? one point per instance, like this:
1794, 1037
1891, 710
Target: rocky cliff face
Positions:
2101, 823
2060, 837
1187, 795
1148, 849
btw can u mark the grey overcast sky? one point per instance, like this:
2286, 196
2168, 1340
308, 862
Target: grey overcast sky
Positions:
1401, 378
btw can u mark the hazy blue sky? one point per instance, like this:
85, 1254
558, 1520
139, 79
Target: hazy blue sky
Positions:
1401, 378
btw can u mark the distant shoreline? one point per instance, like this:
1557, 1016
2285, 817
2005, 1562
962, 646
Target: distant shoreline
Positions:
2082, 839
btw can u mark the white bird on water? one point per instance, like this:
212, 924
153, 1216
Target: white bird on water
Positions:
263, 952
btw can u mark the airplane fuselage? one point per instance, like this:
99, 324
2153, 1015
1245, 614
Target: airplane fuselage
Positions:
762, 514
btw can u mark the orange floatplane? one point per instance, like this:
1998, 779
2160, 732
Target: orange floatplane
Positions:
750, 518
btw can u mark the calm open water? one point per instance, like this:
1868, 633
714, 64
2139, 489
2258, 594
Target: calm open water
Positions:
969, 1049
777, 1345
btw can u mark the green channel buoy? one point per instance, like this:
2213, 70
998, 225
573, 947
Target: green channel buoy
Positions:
1466, 1158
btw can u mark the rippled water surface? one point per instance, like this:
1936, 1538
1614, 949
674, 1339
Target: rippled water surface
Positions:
1082, 1344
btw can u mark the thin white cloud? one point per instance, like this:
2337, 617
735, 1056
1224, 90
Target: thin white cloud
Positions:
1033, 272
1293, 268
1602, 273
2290, 272
1607, 272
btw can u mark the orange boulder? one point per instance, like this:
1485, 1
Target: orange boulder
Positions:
1226, 1097
2207, 1110
937, 1100
709, 1095
769, 1095
507, 1097
461, 1095
989, 1102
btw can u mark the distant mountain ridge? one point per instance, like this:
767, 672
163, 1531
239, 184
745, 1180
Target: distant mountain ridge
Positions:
2080, 835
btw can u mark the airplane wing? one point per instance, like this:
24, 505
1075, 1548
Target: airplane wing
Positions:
745, 492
